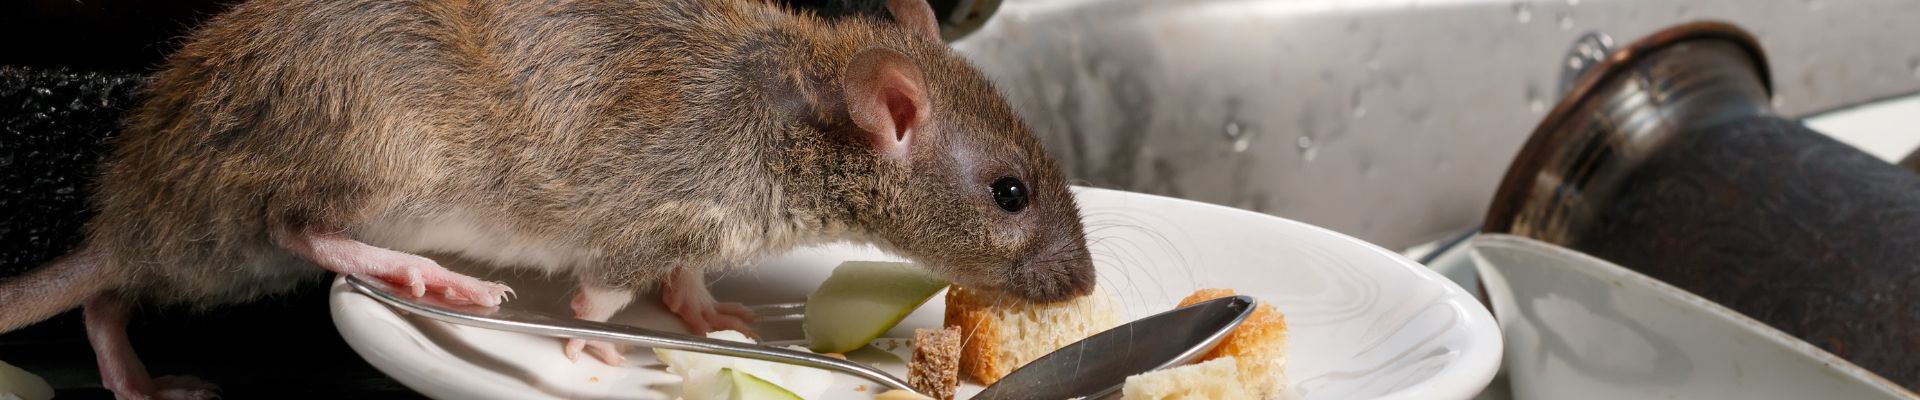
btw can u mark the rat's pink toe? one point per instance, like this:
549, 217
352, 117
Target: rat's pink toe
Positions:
736, 310
605, 352
572, 349
416, 284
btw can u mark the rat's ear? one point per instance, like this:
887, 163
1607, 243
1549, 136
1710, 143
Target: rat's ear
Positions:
916, 15
887, 98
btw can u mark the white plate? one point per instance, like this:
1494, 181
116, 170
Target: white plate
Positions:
1365, 322
1579, 327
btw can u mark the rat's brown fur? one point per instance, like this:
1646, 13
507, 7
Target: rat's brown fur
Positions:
639, 136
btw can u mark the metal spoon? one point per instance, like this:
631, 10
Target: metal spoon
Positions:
1096, 365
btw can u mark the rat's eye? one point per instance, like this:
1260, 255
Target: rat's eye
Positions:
1010, 193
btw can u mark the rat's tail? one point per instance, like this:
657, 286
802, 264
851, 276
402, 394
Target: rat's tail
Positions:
54, 288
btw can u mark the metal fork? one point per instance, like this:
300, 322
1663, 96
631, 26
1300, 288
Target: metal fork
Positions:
536, 324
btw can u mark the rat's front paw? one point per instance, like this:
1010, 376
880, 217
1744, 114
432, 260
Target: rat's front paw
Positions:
702, 314
710, 317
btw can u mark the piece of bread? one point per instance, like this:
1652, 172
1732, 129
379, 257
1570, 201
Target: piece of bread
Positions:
999, 333
1259, 345
935, 368
1214, 379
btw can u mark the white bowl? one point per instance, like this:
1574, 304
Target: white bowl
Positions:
1579, 327
1365, 322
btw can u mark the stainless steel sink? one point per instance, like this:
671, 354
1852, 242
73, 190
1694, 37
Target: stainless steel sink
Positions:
1390, 120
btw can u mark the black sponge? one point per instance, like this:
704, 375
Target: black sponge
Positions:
54, 127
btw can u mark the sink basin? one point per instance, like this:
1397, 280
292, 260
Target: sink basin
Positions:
1388, 120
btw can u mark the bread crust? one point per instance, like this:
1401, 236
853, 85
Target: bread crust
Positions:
967, 312
1259, 345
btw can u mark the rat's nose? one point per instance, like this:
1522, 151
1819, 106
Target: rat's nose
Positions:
1064, 272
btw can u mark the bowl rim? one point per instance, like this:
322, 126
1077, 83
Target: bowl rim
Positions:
1594, 266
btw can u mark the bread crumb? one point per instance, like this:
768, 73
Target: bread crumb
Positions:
861, 388
594, 379
1217, 379
935, 366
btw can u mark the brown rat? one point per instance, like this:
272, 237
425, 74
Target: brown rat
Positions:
624, 143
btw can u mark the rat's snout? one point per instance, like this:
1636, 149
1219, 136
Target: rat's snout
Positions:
1064, 270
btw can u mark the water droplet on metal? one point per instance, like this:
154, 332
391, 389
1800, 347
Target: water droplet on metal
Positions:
1522, 12
1358, 106
1535, 101
1684, 12
1573, 2
1566, 21
1304, 142
1238, 136
1310, 154
1914, 64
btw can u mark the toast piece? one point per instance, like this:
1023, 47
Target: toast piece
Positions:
1218, 378
935, 368
999, 333
1258, 346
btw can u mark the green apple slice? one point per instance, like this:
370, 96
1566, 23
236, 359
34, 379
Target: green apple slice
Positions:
749, 387
16, 383
862, 300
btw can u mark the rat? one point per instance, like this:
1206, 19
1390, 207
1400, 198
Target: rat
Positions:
624, 144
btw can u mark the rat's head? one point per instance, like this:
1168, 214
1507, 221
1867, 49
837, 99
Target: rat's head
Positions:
961, 184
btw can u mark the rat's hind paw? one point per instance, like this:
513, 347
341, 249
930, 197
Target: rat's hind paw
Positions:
419, 275
467, 289
177, 387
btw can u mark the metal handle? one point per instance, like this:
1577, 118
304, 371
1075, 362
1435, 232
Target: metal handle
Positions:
536, 324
